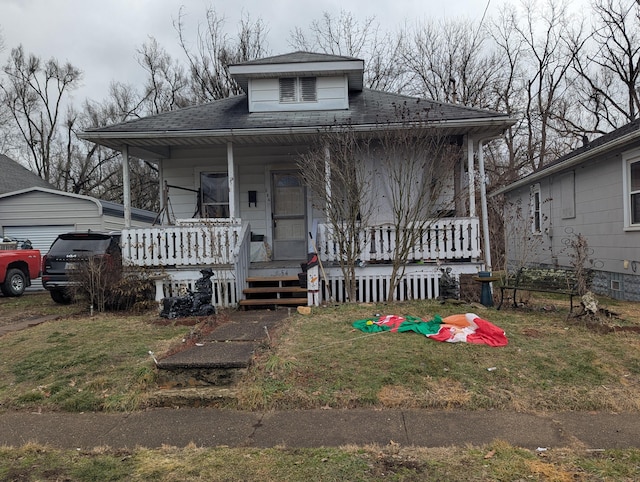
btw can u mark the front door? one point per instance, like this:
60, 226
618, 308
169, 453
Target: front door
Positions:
289, 213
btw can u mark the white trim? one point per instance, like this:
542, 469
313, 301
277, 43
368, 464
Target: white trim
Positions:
54, 191
498, 122
126, 186
628, 158
284, 68
472, 177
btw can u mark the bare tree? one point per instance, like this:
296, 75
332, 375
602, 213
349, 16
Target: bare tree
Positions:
450, 61
345, 35
167, 84
209, 77
418, 165
340, 178
607, 63
34, 93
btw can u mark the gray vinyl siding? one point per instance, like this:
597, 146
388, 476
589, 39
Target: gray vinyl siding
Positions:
599, 217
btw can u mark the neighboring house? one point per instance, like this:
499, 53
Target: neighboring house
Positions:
593, 191
234, 196
15, 176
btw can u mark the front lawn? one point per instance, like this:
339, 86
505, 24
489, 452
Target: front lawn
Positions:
81, 363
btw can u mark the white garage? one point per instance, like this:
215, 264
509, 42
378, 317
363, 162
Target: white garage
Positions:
40, 214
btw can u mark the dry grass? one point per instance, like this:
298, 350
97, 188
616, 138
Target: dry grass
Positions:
551, 363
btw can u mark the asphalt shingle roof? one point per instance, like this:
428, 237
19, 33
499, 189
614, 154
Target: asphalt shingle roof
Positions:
298, 57
16, 177
368, 107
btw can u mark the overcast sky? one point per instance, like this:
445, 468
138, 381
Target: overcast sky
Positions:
101, 36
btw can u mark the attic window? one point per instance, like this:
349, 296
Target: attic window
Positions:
298, 89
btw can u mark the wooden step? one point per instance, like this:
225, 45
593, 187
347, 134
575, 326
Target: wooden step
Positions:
273, 301
270, 279
274, 289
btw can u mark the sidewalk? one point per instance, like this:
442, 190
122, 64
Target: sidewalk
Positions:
314, 428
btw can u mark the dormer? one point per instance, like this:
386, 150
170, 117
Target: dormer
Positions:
300, 81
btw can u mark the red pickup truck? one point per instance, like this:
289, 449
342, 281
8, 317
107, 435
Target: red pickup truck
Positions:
17, 268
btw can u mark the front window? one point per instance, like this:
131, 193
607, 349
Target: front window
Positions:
634, 192
214, 188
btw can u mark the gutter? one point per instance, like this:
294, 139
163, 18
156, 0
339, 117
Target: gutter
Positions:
127, 135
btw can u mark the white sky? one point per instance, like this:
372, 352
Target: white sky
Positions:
100, 37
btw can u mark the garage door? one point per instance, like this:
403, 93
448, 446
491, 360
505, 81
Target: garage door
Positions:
41, 238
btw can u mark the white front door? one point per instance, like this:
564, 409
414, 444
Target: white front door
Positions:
289, 213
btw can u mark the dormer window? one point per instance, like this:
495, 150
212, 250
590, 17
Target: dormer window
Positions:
298, 89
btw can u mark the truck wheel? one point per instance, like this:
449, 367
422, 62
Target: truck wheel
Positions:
15, 283
59, 296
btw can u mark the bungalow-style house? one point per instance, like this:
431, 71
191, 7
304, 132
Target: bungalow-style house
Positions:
235, 199
593, 191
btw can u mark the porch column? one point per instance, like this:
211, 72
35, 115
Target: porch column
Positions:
126, 186
232, 181
483, 207
327, 174
472, 177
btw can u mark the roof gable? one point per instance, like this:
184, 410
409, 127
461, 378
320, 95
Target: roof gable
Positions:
618, 138
300, 63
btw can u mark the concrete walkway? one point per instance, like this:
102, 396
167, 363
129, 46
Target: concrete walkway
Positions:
314, 428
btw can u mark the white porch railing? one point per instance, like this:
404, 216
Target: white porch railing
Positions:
444, 239
201, 243
177, 253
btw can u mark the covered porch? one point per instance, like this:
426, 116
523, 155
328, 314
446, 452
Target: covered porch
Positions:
174, 255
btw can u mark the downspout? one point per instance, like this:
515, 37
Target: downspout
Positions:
126, 186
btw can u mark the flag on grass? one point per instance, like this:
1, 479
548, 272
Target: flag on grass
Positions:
468, 327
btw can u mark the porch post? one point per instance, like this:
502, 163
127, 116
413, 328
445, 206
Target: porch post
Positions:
126, 186
472, 177
232, 181
483, 207
327, 174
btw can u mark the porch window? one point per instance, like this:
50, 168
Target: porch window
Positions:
298, 89
214, 188
536, 210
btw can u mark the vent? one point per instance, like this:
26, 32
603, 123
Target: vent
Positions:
615, 285
288, 90
308, 89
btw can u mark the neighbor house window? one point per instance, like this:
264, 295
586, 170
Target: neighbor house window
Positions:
298, 89
634, 192
536, 209
214, 192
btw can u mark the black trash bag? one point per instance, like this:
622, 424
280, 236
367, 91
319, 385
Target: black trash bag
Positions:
194, 303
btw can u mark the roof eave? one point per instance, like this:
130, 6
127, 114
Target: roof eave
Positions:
570, 162
502, 122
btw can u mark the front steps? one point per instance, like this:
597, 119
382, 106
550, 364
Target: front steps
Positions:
278, 290
207, 374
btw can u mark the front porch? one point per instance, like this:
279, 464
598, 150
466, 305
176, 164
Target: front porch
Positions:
174, 255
